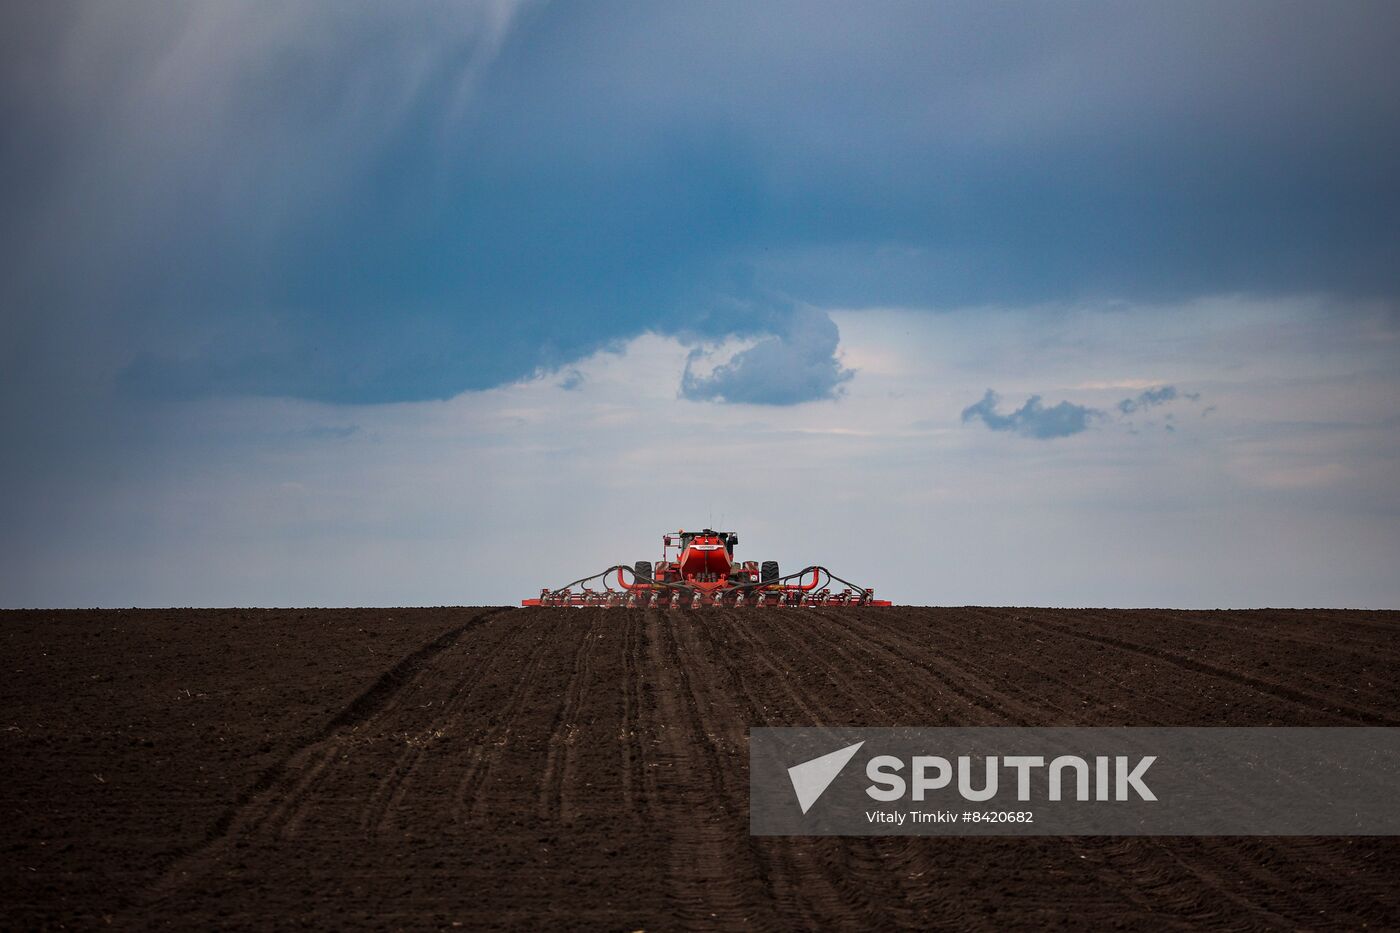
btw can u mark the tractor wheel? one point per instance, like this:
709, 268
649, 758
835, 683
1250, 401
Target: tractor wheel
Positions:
643, 571
769, 574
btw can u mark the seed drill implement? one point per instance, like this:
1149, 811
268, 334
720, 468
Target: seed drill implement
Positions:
698, 568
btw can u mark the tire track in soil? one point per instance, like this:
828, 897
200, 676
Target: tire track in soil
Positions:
1094, 704
642, 699
1200, 881
902, 648
1139, 872
484, 754
1366, 620
962, 631
870, 858
776, 873
1303, 698
851, 882
764, 656
853, 875
262, 800
1279, 633
1138, 869
1241, 871
389, 794
775, 865
1171, 882
558, 774
1292, 633
380, 804
629, 727
798, 871
995, 707
706, 884
797, 635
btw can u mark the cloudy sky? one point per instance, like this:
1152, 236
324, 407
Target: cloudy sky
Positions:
1051, 304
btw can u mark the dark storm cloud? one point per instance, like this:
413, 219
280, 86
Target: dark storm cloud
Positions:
798, 364
360, 205
1032, 419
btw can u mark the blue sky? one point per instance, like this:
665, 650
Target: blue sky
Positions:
1051, 303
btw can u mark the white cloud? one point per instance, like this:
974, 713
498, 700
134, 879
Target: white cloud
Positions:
799, 363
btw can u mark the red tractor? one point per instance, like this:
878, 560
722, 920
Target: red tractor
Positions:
703, 572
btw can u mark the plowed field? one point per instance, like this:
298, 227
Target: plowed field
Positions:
587, 768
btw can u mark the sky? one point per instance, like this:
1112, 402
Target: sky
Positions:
1069, 304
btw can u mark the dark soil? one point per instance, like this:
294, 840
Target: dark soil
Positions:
426, 768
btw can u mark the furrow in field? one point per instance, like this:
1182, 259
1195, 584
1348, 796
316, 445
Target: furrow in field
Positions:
1335, 633
633, 766
711, 881
1099, 694
484, 752
1137, 872
1290, 653
799, 872
422, 731
279, 789
558, 776
1328, 706
876, 694
988, 704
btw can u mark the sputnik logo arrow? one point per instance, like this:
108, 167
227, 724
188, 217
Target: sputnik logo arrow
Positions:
811, 778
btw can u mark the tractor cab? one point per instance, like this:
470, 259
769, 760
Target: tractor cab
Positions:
707, 538
706, 556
